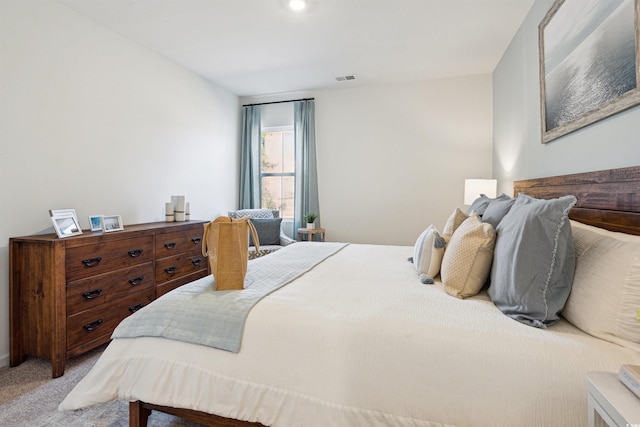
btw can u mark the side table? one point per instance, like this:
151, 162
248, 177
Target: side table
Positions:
310, 232
611, 403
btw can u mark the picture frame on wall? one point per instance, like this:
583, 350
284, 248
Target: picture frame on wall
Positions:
66, 226
588, 62
95, 222
112, 223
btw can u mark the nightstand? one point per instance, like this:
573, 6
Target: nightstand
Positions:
310, 232
611, 403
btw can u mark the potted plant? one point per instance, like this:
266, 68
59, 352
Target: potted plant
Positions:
310, 218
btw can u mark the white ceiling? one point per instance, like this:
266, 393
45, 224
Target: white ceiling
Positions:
258, 47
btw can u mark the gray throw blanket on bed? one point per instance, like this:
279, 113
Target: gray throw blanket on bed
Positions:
196, 313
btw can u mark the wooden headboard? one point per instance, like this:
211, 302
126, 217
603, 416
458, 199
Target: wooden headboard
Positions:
607, 199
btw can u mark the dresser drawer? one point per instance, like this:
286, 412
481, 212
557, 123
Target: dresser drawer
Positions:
92, 324
87, 293
179, 265
91, 260
168, 244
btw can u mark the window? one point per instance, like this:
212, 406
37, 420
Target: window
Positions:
277, 170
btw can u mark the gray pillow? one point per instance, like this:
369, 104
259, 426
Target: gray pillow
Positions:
480, 204
496, 210
268, 231
534, 260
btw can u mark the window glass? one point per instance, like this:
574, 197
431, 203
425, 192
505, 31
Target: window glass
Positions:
277, 170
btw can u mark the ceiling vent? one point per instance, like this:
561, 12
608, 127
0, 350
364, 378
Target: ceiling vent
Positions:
346, 78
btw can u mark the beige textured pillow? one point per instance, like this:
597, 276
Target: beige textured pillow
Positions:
467, 258
606, 287
453, 222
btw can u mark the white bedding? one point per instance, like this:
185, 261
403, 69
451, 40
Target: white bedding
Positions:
359, 341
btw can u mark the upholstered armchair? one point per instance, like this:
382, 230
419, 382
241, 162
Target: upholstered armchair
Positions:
268, 226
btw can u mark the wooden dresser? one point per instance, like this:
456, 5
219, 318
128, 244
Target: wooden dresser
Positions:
68, 295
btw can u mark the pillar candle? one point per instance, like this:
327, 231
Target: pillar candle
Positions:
168, 211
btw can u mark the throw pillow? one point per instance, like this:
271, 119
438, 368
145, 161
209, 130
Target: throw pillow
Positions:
605, 293
480, 204
497, 209
453, 222
467, 260
254, 213
427, 254
534, 260
268, 231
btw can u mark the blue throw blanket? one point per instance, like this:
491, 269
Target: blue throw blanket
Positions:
198, 314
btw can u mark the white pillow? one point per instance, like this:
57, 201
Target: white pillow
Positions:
467, 259
605, 295
427, 254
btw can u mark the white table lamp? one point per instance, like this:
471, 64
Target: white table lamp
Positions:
473, 188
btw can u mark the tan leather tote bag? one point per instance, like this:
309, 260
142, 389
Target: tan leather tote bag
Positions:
226, 243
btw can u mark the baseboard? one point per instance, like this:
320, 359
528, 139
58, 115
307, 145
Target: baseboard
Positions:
4, 360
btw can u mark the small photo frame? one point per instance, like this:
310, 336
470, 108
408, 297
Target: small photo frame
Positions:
66, 226
95, 221
112, 223
63, 213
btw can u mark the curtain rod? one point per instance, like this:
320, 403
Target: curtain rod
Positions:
279, 102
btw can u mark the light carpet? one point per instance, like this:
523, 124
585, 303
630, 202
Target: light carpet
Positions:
29, 397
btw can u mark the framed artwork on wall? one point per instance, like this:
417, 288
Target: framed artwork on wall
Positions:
588, 60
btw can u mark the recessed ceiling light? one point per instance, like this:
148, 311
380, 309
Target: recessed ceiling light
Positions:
297, 5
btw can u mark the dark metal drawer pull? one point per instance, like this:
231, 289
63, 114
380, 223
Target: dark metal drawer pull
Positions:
196, 240
136, 280
170, 245
170, 270
92, 262
196, 261
93, 325
135, 253
92, 294
136, 307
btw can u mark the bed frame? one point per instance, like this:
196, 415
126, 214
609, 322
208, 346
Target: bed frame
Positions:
139, 413
608, 199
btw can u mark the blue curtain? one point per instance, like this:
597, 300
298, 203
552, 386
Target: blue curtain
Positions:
306, 180
250, 158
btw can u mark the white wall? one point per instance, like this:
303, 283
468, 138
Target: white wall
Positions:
91, 121
277, 115
393, 159
517, 152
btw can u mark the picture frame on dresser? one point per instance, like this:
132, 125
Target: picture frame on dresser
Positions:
66, 226
95, 222
63, 212
112, 223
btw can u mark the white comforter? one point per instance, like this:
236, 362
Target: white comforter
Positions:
359, 341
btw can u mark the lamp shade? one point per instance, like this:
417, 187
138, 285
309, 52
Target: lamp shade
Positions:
473, 188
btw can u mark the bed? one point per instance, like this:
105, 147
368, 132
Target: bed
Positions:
359, 340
